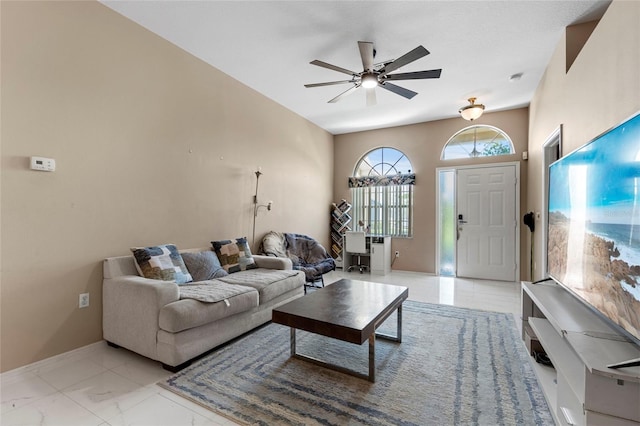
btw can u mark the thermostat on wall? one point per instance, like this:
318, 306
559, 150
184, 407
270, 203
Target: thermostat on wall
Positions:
43, 164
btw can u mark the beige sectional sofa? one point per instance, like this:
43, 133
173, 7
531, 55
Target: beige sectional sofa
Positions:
174, 323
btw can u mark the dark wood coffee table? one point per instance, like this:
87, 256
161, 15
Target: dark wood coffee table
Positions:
346, 310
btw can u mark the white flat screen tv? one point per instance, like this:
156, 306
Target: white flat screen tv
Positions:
594, 226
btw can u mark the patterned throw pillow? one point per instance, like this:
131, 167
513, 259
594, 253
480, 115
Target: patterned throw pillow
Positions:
203, 265
161, 263
235, 255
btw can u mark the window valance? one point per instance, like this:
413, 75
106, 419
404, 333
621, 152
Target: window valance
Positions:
388, 180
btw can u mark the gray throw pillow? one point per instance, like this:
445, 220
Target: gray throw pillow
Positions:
203, 265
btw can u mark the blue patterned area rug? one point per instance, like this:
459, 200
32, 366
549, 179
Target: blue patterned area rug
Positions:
455, 366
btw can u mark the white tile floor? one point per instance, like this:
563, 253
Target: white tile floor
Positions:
99, 385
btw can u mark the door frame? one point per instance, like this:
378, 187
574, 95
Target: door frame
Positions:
552, 151
517, 207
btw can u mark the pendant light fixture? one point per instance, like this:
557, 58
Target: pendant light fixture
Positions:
471, 111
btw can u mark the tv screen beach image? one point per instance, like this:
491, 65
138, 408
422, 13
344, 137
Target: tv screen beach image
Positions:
594, 224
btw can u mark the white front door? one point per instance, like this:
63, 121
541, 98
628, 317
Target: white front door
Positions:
486, 218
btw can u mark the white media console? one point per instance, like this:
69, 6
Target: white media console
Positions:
580, 389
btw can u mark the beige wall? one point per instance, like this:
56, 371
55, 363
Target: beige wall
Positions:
600, 90
422, 144
152, 146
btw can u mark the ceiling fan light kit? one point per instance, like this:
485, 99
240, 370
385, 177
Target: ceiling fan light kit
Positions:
369, 80
471, 111
378, 75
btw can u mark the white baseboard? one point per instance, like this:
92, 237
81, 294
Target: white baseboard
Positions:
47, 363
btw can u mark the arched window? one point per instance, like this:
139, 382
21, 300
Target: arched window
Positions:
477, 141
382, 193
383, 162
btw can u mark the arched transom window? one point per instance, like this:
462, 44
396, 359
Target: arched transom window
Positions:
383, 162
478, 141
382, 193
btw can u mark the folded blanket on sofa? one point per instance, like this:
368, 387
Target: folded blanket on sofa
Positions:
211, 291
260, 275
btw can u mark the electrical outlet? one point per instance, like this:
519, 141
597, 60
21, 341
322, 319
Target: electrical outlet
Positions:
83, 300
397, 253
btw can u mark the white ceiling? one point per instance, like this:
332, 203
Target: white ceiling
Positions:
268, 45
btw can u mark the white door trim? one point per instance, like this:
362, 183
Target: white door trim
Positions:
517, 206
551, 151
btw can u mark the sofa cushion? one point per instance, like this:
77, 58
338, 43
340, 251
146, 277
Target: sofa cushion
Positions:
188, 313
203, 265
270, 283
162, 262
235, 255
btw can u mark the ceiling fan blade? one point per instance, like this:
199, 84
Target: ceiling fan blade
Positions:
332, 67
405, 59
329, 83
381, 65
371, 97
414, 75
399, 90
366, 53
343, 94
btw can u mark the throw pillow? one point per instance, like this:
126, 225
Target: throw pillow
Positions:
161, 263
235, 255
203, 265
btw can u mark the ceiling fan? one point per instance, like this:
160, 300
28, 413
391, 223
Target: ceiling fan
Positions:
377, 75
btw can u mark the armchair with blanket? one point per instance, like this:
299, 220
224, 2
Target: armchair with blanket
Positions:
306, 254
